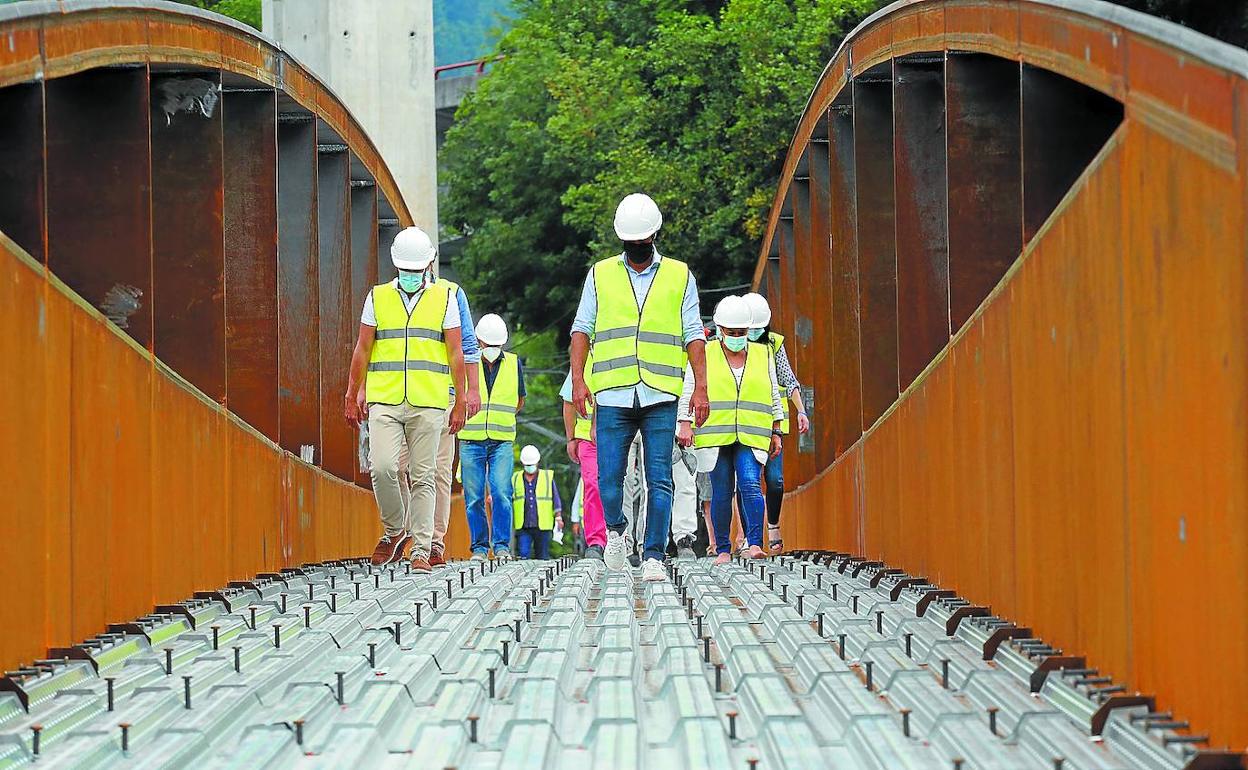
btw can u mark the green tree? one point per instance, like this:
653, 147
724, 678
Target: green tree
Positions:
692, 102
246, 11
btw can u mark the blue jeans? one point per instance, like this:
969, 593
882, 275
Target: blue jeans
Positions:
773, 474
616, 428
479, 461
533, 543
736, 472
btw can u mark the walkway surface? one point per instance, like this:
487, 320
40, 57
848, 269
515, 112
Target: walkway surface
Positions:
786, 663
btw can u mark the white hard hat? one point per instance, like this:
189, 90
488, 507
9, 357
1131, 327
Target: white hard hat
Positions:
492, 330
637, 218
412, 249
732, 312
529, 455
760, 311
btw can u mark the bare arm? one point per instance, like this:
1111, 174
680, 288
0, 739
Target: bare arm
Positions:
519, 405
355, 406
699, 403
582, 399
455, 352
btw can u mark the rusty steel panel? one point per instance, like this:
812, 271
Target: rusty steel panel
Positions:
846, 385
917, 28
21, 167
188, 260
20, 58
385, 268
985, 177
881, 470
783, 320
1067, 402
254, 487
298, 299
110, 477
877, 245
987, 26
922, 235
337, 331
799, 326
363, 276
188, 428
1186, 376
1076, 46
95, 39
98, 187
250, 176
1064, 125
181, 40
818, 367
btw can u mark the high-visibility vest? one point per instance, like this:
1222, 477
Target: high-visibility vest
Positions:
584, 428
545, 490
643, 344
774, 341
453, 288
738, 415
497, 418
409, 361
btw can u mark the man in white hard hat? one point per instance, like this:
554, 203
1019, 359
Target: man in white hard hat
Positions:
641, 309
536, 504
485, 443
409, 353
773, 472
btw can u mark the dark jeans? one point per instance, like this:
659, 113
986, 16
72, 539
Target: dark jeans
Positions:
773, 474
616, 428
533, 543
482, 462
736, 471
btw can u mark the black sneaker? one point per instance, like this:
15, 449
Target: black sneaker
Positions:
684, 548
634, 559
593, 553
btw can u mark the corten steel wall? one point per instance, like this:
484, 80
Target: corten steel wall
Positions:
1074, 453
132, 488
142, 466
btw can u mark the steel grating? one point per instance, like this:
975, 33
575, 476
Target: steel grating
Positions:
817, 660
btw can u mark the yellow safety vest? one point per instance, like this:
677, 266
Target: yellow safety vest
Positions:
545, 499
584, 428
409, 361
738, 415
497, 418
774, 341
453, 289
643, 344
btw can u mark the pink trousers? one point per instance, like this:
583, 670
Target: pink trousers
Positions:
595, 525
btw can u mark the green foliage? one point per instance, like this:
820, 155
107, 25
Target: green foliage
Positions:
467, 29
246, 11
691, 102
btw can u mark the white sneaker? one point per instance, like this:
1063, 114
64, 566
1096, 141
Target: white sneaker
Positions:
616, 554
652, 571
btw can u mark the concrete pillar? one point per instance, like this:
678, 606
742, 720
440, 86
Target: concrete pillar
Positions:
377, 56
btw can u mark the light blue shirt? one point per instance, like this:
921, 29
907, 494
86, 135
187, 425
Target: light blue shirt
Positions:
468, 340
640, 394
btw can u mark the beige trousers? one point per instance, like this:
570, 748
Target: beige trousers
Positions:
442, 505
390, 430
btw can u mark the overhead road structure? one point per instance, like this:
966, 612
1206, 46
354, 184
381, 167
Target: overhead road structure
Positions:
1008, 250
181, 174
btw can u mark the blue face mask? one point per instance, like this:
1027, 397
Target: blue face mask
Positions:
735, 344
410, 281
756, 334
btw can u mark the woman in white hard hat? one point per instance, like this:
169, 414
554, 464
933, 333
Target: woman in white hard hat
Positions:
536, 505
743, 428
408, 356
773, 474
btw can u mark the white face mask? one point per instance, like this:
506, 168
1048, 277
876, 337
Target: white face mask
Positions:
491, 354
530, 469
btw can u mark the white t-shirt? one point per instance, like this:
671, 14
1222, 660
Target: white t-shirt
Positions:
451, 321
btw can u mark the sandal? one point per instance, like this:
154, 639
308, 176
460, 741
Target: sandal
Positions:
775, 542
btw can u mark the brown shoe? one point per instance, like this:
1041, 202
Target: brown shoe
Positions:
387, 550
436, 559
404, 541
420, 565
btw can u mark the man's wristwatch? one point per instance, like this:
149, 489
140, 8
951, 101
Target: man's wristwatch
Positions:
777, 432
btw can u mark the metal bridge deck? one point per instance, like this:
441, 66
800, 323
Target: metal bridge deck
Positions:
791, 663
